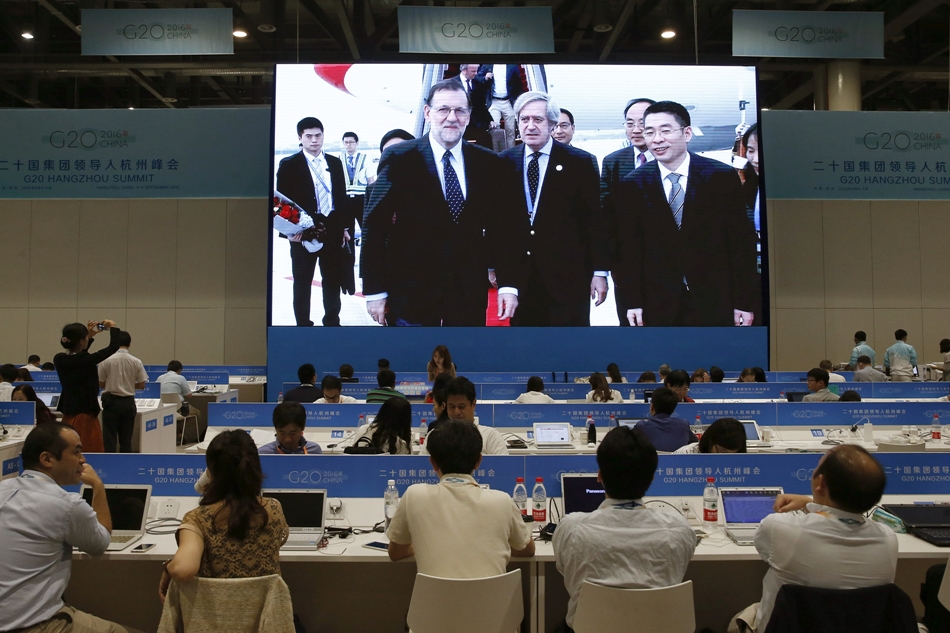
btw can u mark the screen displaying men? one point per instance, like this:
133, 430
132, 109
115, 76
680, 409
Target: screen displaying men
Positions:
531, 195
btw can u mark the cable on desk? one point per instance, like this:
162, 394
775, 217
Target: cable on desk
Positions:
158, 527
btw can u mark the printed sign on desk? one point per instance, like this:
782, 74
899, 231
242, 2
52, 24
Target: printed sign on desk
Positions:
910, 389
763, 413
17, 413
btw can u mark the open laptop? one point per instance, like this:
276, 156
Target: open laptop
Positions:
743, 510
305, 512
629, 422
796, 396
193, 385
49, 399
581, 492
753, 437
930, 523
553, 435
128, 505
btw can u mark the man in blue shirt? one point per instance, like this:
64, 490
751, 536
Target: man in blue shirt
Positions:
290, 419
900, 359
861, 348
665, 432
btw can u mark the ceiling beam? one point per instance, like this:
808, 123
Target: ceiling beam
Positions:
11, 90
347, 29
582, 23
323, 20
617, 31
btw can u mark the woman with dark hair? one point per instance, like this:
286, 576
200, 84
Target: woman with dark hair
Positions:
647, 376
25, 393
234, 532
600, 390
725, 435
613, 374
23, 375
945, 350
391, 431
440, 363
759, 374
79, 377
747, 375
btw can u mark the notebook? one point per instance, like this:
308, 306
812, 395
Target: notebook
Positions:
553, 435
930, 523
743, 510
305, 512
581, 492
629, 422
128, 505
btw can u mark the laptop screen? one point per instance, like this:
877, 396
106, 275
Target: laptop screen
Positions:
553, 433
796, 396
302, 509
751, 432
629, 422
921, 515
581, 492
748, 506
128, 506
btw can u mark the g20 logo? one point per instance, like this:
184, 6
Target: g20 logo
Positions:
808, 414
795, 34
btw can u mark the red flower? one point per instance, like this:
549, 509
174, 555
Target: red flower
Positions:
286, 211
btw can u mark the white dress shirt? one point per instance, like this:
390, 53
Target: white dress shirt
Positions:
826, 548
622, 544
534, 397
6, 392
318, 163
173, 382
120, 372
500, 76
682, 170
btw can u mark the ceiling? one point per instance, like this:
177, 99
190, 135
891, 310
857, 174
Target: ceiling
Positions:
49, 71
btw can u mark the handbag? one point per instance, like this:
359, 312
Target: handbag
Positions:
185, 408
363, 446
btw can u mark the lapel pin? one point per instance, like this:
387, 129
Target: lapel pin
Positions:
558, 167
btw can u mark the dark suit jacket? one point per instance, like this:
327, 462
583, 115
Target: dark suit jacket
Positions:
481, 117
295, 182
714, 249
433, 269
567, 239
512, 76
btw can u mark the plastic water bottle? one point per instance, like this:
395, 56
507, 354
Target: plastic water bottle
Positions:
935, 428
362, 420
613, 422
520, 496
391, 501
280, 397
591, 431
698, 425
539, 501
423, 429
710, 504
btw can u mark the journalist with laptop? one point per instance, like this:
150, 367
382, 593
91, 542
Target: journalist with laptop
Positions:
39, 524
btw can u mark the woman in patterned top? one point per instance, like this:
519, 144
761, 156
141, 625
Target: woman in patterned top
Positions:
234, 532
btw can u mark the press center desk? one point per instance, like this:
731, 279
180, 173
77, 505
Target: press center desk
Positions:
332, 590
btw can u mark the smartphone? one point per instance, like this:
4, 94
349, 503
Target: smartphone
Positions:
377, 545
101, 326
142, 547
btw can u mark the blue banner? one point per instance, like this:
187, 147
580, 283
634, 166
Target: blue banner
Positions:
231, 370
17, 413
44, 376
43, 387
475, 30
342, 416
867, 156
526, 415
10, 466
823, 414
909, 389
812, 34
133, 153
157, 32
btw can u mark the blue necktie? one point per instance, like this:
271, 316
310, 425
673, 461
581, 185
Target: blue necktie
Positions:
453, 191
350, 167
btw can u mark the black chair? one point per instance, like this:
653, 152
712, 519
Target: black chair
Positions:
882, 609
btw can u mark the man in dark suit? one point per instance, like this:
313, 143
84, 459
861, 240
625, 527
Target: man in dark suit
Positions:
503, 84
440, 211
561, 217
620, 163
480, 120
687, 248
315, 181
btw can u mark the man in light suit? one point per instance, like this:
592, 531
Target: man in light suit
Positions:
560, 215
315, 181
440, 211
687, 247
620, 163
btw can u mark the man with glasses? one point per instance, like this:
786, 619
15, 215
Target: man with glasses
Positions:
687, 248
678, 382
440, 214
817, 383
561, 220
564, 128
620, 163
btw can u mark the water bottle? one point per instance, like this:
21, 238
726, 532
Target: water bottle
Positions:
520, 496
613, 422
591, 431
280, 397
539, 501
391, 501
698, 426
935, 428
423, 429
710, 504
362, 420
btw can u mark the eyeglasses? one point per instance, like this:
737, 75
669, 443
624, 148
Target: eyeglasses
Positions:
663, 132
460, 113
629, 124
564, 126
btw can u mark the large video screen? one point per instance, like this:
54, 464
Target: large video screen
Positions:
516, 195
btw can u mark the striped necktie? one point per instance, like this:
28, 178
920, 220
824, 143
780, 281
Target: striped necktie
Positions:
324, 202
676, 199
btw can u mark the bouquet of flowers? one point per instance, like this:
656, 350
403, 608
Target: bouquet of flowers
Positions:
290, 219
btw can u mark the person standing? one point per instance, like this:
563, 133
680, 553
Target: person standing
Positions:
315, 181
861, 348
503, 85
900, 359
79, 402
561, 220
356, 165
120, 376
481, 119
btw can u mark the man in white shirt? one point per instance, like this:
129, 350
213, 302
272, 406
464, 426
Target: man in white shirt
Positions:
332, 386
457, 529
173, 381
535, 393
120, 376
832, 377
8, 375
33, 363
40, 523
854, 552
460, 402
623, 543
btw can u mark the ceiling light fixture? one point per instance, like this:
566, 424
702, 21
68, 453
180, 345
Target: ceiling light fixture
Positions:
239, 32
266, 28
668, 31
26, 35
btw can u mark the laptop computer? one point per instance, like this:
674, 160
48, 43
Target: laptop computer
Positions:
128, 505
553, 435
192, 384
49, 399
753, 437
305, 512
796, 396
629, 422
743, 510
581, 492
929, 523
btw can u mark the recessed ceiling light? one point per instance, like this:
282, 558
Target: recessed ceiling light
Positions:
27, 35
266, 28
668, 33
131, 108
240, 33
